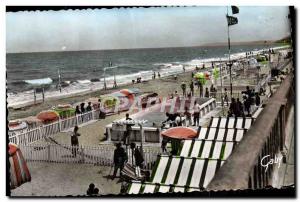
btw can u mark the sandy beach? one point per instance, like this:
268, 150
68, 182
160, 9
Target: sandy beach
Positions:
93, 133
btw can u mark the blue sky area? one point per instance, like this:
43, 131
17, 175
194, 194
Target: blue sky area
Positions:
140, 28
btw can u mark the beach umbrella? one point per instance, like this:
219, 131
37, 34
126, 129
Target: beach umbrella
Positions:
216, 73
207, 75
48, 116
199, 75
180, 133
129, 94
65, 110
19, 172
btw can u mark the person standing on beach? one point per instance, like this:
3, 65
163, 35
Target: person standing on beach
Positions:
196, 113
226, 96
192, 88
139, 159
89, 107
206, 93
188, 116
120, 158
82, 109
201, 89
183, 87
74, 141
128, 129
158, 74
77, 111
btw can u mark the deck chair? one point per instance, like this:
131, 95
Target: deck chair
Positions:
129, 172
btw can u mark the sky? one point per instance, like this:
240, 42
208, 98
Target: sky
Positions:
98, 29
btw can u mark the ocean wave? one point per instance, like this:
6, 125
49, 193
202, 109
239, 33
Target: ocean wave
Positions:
42, 81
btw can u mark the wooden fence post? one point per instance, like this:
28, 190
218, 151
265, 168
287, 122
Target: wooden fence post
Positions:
49, 155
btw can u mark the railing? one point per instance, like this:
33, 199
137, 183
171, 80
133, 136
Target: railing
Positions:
100, 155
266, 136
43, 131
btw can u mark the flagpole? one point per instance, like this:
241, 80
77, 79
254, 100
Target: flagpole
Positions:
230, 79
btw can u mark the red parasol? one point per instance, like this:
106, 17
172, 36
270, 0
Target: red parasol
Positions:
48, 116
19, 173
180, 133
128, 94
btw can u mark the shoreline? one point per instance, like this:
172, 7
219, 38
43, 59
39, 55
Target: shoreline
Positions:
23, 99
163, 86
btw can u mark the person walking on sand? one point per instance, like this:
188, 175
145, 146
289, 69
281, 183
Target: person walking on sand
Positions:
192, 88
120, 158
196, 113
183, 87
74, 141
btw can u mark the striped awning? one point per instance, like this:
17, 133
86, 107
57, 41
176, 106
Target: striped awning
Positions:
221, 134
212, 149
180, 173
231, 122
19, 172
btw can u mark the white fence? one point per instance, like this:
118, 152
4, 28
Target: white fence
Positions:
43, 131
100, 155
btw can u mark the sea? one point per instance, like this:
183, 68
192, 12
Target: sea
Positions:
85, 70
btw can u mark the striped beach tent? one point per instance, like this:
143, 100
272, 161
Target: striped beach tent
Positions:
19, 172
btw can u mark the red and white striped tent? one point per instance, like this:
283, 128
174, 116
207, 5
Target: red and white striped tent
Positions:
19, 172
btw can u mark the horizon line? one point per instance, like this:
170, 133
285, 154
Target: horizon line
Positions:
220, 44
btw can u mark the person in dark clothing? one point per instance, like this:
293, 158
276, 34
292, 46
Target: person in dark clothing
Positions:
257, 99
164, 143
82, 108
226, 96
233, 107
192, 88
206, 93
196, 113
247, 104
183, 87
91, 190
74, 141
139, 159
172, 118
240, 107
96, 191
128, 129
77, 110
120, 158
158, 74
89, 107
